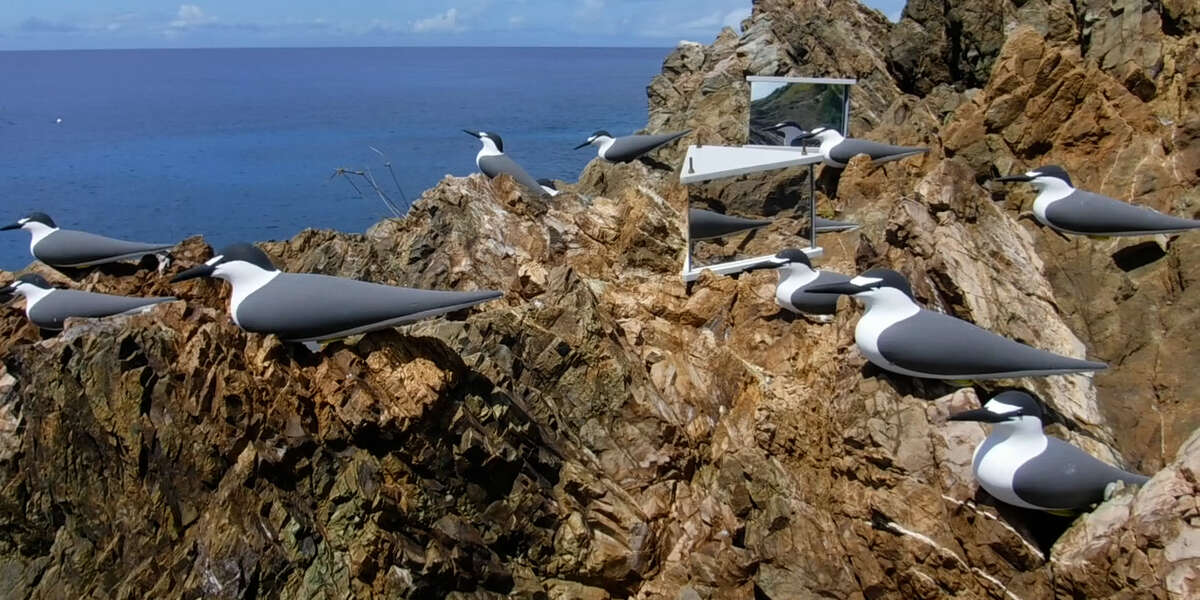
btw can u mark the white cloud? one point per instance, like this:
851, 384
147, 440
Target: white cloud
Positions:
447, 21
190, 15
516, 21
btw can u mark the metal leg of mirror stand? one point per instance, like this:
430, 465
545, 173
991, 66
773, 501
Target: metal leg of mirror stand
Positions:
812, 208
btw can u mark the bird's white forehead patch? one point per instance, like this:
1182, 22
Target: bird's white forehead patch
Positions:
864, 281
23, 221
214, 260
1000, 408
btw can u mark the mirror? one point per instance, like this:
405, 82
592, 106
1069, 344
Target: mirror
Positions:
807, 101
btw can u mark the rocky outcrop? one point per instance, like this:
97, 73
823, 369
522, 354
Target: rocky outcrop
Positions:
604, 432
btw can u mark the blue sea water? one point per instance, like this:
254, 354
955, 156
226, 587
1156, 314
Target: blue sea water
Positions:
239, 144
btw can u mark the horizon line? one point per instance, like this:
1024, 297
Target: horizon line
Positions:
338, 47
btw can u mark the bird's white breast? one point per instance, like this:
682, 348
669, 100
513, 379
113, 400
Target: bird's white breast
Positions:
604, 146
996, 468
879, 316
33, 295
244, 283
792, 281
40, 232
1051, 193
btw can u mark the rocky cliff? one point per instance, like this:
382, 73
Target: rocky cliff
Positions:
603, 433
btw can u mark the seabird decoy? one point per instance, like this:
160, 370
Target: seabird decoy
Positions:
704, 225
1062, 207
1020, 465
548, 186
831, 226
69, 248
793, 134
796, 276
492, 161
896, 334
836, 151
628, 147
307, 307
47, 306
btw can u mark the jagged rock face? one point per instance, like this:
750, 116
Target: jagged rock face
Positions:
603, 432
955, 43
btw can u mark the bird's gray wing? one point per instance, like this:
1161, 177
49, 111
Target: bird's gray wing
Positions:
1086, 212
703, 224
938, 344
627, 148
68, 248
851, 147
1065, 477
52, 310
818, 304
298, 306
494, 166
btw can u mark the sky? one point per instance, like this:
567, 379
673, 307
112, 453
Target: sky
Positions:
70, 24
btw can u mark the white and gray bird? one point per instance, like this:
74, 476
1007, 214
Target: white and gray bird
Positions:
896, 334
1061, 206
493, 162
48, 307
796, 276
793, 134
628, 147
548, 186
836, 151
74, 249
1019, 464
307, 307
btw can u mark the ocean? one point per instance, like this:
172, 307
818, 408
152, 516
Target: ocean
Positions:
239, 144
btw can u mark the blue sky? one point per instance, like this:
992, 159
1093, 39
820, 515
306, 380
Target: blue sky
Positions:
69, 24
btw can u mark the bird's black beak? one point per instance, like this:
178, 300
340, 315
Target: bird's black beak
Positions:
581, 145
194, 272
844, 288
1012, 178
10, 226
981, 415
472, 133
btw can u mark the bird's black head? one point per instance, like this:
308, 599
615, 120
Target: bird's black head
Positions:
1053, 171
36, 217
884, 278
32, 279
229, 255
246, 253
815, 132
794, 255
1009, 405
867, 283
785, 125
495, 137
592, 138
